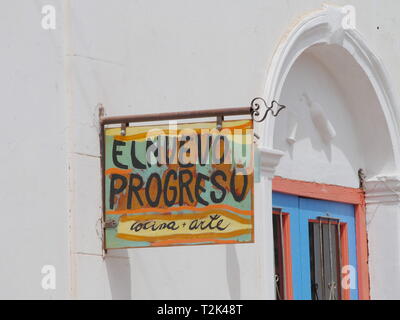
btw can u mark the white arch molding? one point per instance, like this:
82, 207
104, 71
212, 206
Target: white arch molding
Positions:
325, 27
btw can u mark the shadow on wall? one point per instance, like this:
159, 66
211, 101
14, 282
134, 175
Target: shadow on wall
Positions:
119, 275
233, 272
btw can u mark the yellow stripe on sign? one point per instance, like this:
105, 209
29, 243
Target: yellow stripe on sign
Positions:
142, 133
212, 225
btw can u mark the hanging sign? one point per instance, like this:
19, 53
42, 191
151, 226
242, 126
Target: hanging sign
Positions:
183, 184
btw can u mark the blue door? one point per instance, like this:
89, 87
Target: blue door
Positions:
316, 247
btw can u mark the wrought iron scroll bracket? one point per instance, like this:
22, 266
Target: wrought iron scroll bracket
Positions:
259, 109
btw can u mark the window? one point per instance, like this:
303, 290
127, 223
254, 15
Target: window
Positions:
281, 233
326, 258
316, 239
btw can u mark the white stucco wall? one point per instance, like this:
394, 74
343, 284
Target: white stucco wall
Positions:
34, 189
135, 57
310, 157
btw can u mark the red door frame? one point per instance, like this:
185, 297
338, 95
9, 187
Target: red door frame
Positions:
338, 194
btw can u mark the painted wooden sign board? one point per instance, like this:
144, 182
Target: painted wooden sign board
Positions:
186, 184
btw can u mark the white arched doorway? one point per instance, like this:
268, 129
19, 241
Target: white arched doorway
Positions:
322, 69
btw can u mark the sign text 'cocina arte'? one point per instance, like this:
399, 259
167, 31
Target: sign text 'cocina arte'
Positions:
179, 184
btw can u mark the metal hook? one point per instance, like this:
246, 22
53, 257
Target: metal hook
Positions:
123, 128
219, 122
